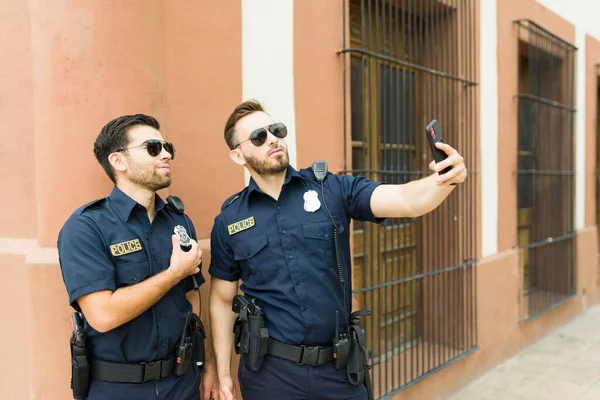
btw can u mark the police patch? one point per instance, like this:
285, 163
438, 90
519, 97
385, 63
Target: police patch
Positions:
120, 249
240, 226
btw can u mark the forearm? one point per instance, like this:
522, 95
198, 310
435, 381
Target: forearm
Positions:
209, 353
424, 195
221, 323
411, 200
127, 303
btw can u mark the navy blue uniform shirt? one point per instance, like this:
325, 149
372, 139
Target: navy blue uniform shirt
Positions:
283, 251
109, 244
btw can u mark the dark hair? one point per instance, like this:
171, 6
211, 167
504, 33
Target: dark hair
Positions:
246, 108
114, 136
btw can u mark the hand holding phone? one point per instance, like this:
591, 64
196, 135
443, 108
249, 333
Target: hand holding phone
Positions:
434, 135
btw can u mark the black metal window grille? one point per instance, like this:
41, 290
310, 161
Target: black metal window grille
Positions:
411, 61
545, 168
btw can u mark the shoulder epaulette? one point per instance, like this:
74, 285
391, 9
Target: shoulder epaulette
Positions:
230, 200
89, 205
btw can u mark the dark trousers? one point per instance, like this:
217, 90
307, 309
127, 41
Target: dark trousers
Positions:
286, 380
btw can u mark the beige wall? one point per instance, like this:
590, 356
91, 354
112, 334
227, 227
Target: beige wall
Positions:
18, 211
318, 73
203, 83
592, 73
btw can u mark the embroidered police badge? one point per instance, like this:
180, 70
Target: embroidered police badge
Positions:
240, 226
130, 246
311, 201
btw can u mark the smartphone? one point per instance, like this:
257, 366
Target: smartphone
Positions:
434, 135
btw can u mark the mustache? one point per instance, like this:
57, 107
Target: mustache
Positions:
275, 147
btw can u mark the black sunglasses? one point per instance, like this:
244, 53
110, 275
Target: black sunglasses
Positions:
154, 147
258, 137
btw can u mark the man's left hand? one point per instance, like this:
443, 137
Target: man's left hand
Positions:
210, 384
457, 174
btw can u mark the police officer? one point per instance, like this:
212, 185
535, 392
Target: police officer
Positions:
278, 236
125, 270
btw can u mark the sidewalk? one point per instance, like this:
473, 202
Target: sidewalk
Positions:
564, 365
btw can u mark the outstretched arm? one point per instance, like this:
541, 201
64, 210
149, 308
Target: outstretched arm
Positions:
419, 197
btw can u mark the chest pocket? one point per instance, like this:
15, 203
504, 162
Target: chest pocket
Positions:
132, 272
321, 248
251, 256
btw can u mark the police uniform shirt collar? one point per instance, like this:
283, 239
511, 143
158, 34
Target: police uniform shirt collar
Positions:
125, 204
291, 173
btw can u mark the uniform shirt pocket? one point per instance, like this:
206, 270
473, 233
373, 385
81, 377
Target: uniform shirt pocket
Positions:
250, 256
132, 272
320, 244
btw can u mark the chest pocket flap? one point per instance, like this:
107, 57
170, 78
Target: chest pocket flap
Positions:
322, 230
130, 273
249, 248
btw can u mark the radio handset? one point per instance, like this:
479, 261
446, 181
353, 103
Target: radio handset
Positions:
319, 168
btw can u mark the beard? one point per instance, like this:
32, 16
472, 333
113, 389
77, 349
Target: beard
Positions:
269, 166
147, 177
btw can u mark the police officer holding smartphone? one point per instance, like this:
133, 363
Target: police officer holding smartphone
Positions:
127, 273
286, 236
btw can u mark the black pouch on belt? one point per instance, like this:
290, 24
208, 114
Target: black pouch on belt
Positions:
358, 360
80, 359
258, 342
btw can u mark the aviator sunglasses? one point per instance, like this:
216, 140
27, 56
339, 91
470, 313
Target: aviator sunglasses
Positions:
258, 137
154, 147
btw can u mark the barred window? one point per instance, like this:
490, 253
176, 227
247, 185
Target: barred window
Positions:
411, 61
545, 168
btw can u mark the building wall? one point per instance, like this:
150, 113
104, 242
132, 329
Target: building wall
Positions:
68, 75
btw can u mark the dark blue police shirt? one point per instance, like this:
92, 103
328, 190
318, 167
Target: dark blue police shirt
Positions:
109, 244
285, 254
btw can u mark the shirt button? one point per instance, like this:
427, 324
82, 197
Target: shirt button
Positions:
279, 207
155, 258
290, 256
162, 344
135, 278
297, 282
327, 235
161, 313
284, 231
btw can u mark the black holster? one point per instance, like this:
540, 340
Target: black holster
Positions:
80, 369
358, 366
251, 337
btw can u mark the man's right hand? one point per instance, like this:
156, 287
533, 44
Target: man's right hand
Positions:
227, 389
184, 263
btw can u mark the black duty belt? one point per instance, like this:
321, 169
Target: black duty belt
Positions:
132, 373
302, 355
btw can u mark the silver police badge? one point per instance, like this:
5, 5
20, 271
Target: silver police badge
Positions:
311, 201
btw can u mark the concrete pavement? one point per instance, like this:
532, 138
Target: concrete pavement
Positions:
563, 365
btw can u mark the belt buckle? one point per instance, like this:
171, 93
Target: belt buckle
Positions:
152, 371
309, 356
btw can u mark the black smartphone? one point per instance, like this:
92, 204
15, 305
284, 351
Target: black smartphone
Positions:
434, 135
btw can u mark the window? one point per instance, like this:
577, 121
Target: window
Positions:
410, 62
545, 170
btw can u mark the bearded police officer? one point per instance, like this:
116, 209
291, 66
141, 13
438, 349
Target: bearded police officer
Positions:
286, 236
127, 273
